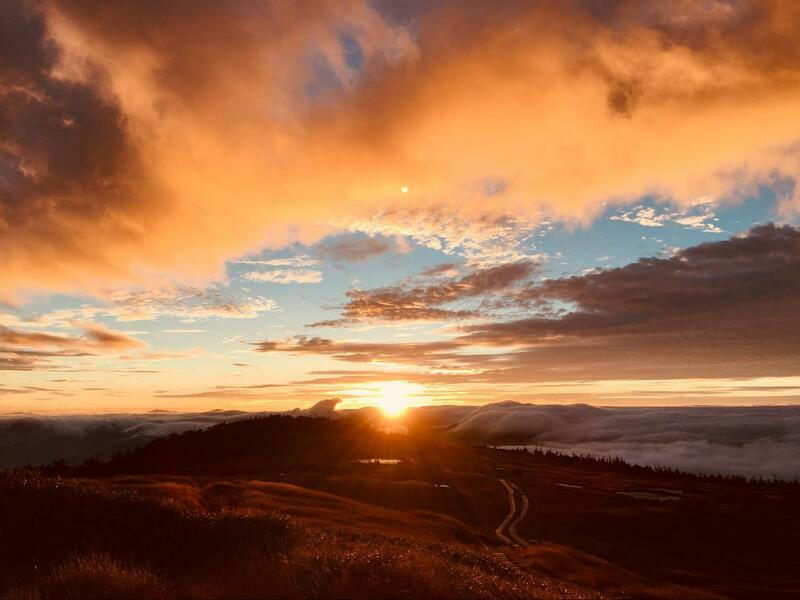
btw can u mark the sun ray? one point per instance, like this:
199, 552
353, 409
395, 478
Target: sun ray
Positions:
394, 397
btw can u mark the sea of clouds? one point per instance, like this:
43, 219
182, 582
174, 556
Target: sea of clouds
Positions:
35, 440
750, 441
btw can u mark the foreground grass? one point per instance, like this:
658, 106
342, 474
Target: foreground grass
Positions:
86, 540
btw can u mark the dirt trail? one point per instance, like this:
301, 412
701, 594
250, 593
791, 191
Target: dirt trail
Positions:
507, 530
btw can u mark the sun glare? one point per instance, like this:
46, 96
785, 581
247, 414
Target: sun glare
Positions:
394, 397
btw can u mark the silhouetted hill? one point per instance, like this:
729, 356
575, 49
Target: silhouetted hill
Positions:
36, 440
273, 443
421, 522
31, 441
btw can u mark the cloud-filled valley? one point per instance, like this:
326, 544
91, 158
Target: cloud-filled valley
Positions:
749, 441
41, 439
753, 441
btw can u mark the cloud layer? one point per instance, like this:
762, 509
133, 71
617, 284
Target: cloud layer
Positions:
721, 309
26, 350
140, 139
762, 442
423, 301
40, 440
353, 249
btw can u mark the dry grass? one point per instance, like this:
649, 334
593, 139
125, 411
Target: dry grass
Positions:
93, 576
86, 540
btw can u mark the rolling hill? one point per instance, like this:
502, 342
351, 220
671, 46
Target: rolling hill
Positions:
311, 507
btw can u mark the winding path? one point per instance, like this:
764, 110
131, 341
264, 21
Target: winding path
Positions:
512, 529
507, 530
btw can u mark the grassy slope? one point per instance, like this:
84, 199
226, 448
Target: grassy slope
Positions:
726, 536
91, 539
436, 511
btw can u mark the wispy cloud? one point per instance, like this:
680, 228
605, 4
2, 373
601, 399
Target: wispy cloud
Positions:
26, 350
164, 355
95, 337
301, 261
183, 331
349, 249
285, 276
188, 304
700, 216
423, 300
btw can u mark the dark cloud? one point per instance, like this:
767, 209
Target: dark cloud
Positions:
725, 308
68, 173
423, 301
721, 309
761, 265
82, 198
442, 269
349, 249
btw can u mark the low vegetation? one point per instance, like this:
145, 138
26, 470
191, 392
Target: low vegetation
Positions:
288, 507
79, 539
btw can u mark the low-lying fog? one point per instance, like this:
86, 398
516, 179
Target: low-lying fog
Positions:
751, 441
760, 441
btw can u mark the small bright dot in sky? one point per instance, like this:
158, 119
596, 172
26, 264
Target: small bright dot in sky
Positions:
404, 189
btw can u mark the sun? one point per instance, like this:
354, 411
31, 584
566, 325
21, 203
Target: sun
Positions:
394, 397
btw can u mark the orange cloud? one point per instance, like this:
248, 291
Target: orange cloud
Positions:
144, 141
95, 337
26, 350
422, 301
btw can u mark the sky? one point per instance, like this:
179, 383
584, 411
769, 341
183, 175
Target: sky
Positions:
257, 206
